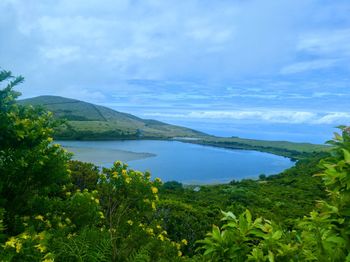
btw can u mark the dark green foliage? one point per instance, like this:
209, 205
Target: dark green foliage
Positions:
172, 185
83, 175
262, 176
91, 245
323, 235
183, 221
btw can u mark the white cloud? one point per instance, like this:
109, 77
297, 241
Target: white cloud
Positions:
61, 54
191, 51
336, 117
308, 66
327, 42
264, 116
81, 94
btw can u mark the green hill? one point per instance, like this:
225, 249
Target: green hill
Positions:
87, 121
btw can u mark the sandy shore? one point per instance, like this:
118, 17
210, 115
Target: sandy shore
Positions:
105, 157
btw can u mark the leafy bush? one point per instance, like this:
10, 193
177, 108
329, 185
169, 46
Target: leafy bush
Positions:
324, 235
55, 209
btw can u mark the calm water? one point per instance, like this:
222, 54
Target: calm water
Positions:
187, 163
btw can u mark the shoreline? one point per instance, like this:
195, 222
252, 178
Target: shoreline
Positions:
105, 156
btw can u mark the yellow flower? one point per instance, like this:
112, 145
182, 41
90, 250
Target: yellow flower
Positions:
18, 247
115, 174
150, 231
50, 139
161, 237
124, 173
11, 242
39, 217
153, 205
154, 190
101, 214
97, 201
41, 248
127, 180
48, 260
130, 222
41, 235
179, 253
159, 227
117, 163
48, 224
24, 235
158, 180
68, 194
184, 241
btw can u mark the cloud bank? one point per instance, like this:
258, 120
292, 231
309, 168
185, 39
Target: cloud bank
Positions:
267, 116
221, 58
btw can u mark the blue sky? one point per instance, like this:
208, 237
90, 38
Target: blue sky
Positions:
253, 68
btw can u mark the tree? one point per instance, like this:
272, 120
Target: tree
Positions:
83, 175
31, 166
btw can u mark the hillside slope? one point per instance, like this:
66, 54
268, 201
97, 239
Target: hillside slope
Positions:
88, 121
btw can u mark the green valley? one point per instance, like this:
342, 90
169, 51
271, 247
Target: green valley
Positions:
86, 121
56, 209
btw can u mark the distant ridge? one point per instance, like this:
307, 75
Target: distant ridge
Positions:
86, 121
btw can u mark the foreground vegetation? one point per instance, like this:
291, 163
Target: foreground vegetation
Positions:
55, 209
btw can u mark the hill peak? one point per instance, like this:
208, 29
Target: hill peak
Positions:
89, 121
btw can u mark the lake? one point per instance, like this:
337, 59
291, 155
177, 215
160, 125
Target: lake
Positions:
183, 162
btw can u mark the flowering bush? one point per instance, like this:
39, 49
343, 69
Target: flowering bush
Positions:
324, 235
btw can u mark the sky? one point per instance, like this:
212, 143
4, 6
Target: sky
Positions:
264, 69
